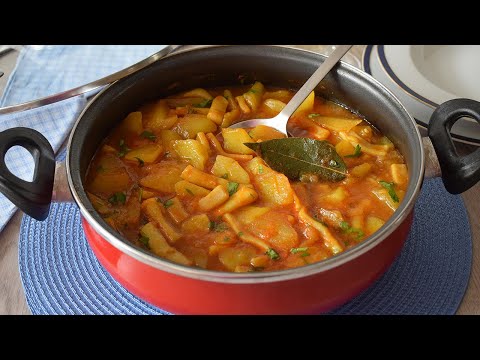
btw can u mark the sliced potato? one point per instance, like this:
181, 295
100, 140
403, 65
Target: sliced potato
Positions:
218, 109
336, 124
132, 123
399, 173
163, 176
306, 105
176, 210
160, 247
156, 116
337, 196
201, 178
229, 169
245, 195
361, 170
214, 199
148, 153
186, 188
155, 213
273, 188
192, 151
197, 224
274, 104
167, 136
263, 133
190, 125
198, 92
372, 224
253, 96
234, 140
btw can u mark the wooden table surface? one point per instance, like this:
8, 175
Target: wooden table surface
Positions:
12, 297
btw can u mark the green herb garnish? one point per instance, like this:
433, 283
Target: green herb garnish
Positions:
204, 104
168, 203
141, 163
148, 135
240, 234
232, 188
303, 251
357, 153
217, 227
145, 241
224, 176
390, 188
260, 169
118, 197
348, 229
311, 116
297, 250
189, 191
272, 254
253, 91
123, 148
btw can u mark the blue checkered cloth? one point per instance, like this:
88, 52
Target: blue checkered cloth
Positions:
49, 69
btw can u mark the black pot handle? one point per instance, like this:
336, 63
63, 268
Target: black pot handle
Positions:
33, 198
459, 173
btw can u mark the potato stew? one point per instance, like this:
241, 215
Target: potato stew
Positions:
175, 180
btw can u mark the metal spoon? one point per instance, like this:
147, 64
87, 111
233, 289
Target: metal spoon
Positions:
280, 121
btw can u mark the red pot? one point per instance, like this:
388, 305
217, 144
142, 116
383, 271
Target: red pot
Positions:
179, 289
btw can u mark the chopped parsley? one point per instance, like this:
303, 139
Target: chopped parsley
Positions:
224, 176
240, 234
260, 169
168, 203
118, 197
348, 229
272, 254
218, 227
390, 188
148, 135
303, 251
232, 188
189, 191
141, 163
123, 148
204, 104
145, 241
357, 153
311, 116
253, 91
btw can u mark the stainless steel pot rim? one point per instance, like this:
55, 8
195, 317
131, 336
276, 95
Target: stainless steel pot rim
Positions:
150, 259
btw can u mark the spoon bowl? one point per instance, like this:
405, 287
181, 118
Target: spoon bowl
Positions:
280, 121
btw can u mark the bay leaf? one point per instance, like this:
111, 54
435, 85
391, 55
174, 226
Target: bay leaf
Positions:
295, 157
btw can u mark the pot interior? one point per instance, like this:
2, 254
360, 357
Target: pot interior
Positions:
231, 65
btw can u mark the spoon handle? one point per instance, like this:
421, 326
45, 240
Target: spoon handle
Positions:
310, 85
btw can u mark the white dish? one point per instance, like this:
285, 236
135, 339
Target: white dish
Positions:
418, 86
436, 72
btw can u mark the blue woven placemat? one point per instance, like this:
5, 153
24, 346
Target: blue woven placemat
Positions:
61, 275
